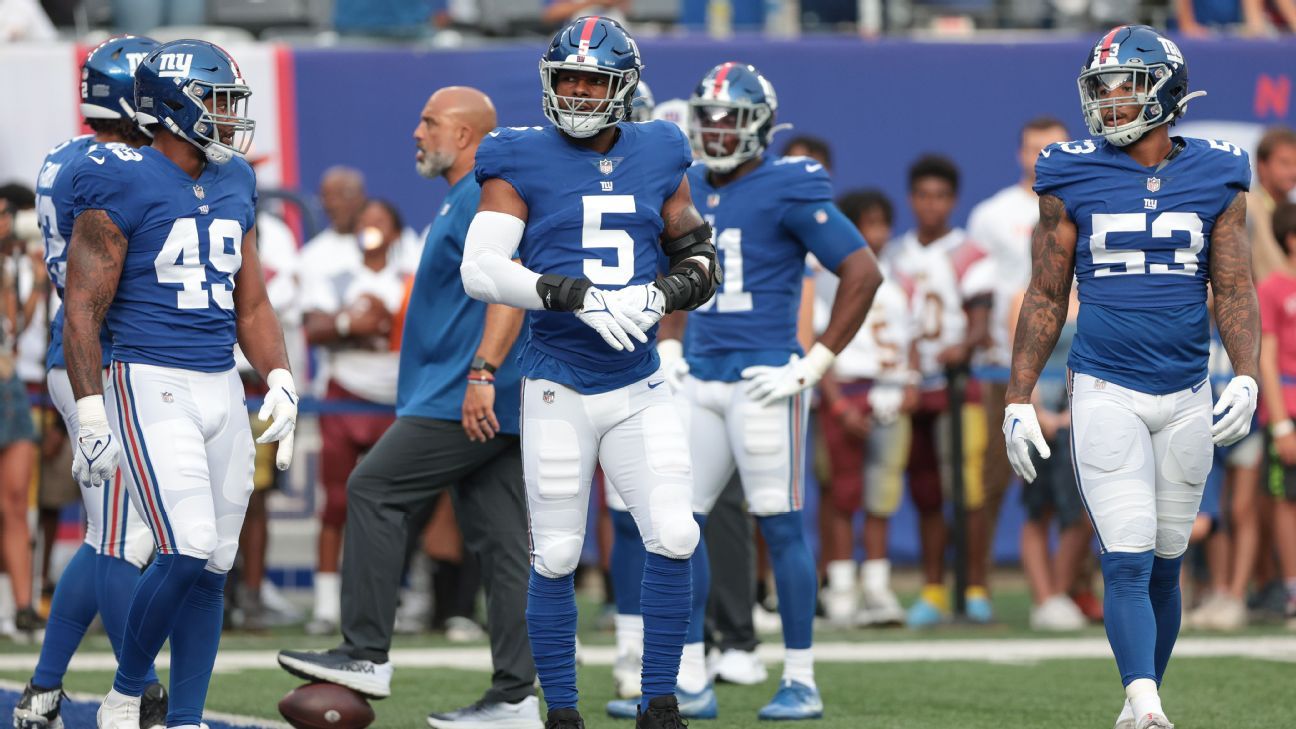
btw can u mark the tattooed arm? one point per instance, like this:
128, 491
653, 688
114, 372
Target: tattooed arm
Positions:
1237, 310
1044, 308
96, 254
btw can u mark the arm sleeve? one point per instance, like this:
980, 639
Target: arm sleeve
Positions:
824, 231
488, 271
106, 186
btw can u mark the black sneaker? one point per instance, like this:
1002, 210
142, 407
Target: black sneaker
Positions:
153, 707
662, 713
30, 624
38, 708
564, 719
364, 677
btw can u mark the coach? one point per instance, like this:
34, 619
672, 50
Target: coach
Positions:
457, 427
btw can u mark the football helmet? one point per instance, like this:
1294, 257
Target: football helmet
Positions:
642, 105
108, 77
1157, 76
590, 45
195, 90
733, 99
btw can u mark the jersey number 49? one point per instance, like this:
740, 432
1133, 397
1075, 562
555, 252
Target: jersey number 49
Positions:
181, 261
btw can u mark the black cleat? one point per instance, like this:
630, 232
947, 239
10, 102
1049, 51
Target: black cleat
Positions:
39, 708
663, 713
153, 707
564, 719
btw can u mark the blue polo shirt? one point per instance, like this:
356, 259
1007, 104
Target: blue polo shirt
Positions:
443, 326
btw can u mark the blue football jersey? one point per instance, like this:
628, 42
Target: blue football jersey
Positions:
764, 224
175, 300
54, 203
590, 215
1142, 256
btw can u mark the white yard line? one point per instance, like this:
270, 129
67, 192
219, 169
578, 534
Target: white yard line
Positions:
1275, 648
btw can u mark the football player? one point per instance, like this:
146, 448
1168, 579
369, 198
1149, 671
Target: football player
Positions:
101, 576
746, 370
592, 394
164, 249
1143, 221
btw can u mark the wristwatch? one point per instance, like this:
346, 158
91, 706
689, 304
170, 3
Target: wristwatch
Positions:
480, 363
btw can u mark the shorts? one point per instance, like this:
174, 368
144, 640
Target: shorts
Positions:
15, 413
1055, 485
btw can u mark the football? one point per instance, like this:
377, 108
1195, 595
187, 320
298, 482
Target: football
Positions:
325, 706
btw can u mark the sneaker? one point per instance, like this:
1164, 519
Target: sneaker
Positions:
321, 626
701, 705
118, 712
839, 607
153, 707
765, 620
1153, 721
524, 714
1225, 613
281, 610
564, 719
741, 667
626, 674
791, 702
459, 629
364, 677
924, 614
39, 709
1057, 614
1126, 718
979, 609
880, 607
663, 713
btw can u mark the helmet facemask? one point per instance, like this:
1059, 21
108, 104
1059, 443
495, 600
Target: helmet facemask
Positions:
714, 123
1145, 84
565, 111
222, 130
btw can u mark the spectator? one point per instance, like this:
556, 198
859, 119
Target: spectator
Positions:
138, 17
867, 433
806, 145
1275, 167
1277, 371
350, 312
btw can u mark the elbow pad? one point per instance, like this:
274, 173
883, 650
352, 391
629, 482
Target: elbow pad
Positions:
562, 293
694, 273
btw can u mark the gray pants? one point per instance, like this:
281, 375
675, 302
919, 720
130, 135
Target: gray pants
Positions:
396, 482
733, 571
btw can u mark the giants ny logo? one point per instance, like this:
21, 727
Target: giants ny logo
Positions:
134, 60
174, 65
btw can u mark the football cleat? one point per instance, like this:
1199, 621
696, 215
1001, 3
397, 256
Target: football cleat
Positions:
524, 714
564, 719
701, 705
39, 708
364, 677
741, 667
663, 713
793, 701
153, 707
118, 712
1153, 721
1126, 718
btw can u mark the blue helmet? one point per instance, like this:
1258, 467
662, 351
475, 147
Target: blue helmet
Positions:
641, 106
1133, 65
108, 77
591, 45
194, 90
733, 99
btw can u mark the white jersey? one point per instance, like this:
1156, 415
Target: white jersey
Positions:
936, 301
1002, 225
880, 350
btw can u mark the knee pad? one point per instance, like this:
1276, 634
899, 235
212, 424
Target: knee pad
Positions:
1127, 530
675, 533
196, 540
556, 557
678, 538
222, 559
1172, 542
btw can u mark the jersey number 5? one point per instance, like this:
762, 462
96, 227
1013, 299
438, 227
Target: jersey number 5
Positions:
181, 262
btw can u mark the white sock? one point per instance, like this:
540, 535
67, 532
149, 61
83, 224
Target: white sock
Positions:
692, 673
841, 575
629, 634
115, 698
875, 574
1142, 693
8, 610
798, 665
328, 596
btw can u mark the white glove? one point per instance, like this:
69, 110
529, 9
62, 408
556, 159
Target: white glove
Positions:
1238, 404
767, 385
94, 460
280, 407
614, 320
673, 365
884, 402
1021, 431
644, 304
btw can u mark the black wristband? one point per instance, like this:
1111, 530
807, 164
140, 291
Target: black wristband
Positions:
480, 363
562, 293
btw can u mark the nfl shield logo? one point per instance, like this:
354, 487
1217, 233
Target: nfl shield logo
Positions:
713, 199
548, 397
199, 192
1153, 184
605, 166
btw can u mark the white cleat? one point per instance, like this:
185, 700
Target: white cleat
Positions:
626, 672
740, 667
1126, 718
1153, 721
118, 712
1057, 614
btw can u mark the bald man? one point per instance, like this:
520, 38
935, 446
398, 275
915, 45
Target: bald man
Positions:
456, 427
